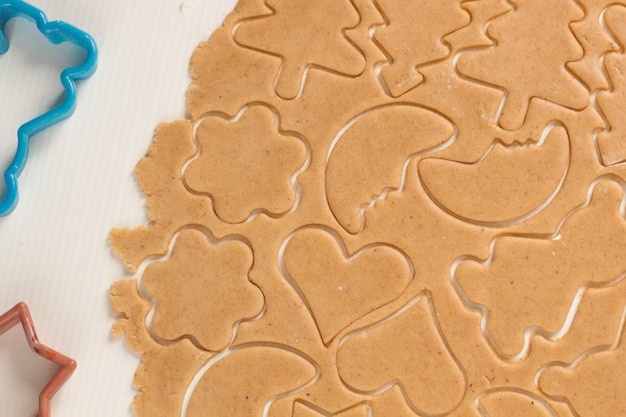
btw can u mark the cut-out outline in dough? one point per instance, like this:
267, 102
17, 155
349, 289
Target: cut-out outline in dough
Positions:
326, 413
307, 67
405, 167
594, 95
550, 126
531, 331
600, 62
227, 351
482, 349
494, 42
617, 342
502, 89
532, 396
233, 119
425, 294
378, 67
348, 257
143, 291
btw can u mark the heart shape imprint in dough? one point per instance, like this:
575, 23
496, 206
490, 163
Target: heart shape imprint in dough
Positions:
339, 288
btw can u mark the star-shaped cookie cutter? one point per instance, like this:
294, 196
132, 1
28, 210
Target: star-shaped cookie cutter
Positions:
56, 32
20, 314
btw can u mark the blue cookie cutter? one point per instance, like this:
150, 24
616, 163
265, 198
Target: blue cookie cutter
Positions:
56, 32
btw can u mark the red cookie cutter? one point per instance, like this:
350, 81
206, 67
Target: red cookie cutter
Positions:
20, 314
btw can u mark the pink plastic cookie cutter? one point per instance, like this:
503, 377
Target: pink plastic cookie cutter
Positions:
21, 314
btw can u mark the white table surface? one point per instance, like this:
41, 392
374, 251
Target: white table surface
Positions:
79, 183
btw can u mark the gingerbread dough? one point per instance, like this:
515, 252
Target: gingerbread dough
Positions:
387, 208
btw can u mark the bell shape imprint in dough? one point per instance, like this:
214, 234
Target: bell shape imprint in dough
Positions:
246, 165
246, 380
371, 156
202, 290
407, 349
340, 288
507, 185
529, 281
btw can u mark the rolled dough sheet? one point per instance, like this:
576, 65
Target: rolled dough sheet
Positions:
387, 208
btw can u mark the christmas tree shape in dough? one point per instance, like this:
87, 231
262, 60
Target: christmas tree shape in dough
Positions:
612, 141
524, 64
292, 32
413, 37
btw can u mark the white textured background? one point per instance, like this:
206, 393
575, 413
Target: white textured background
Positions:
78, 184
